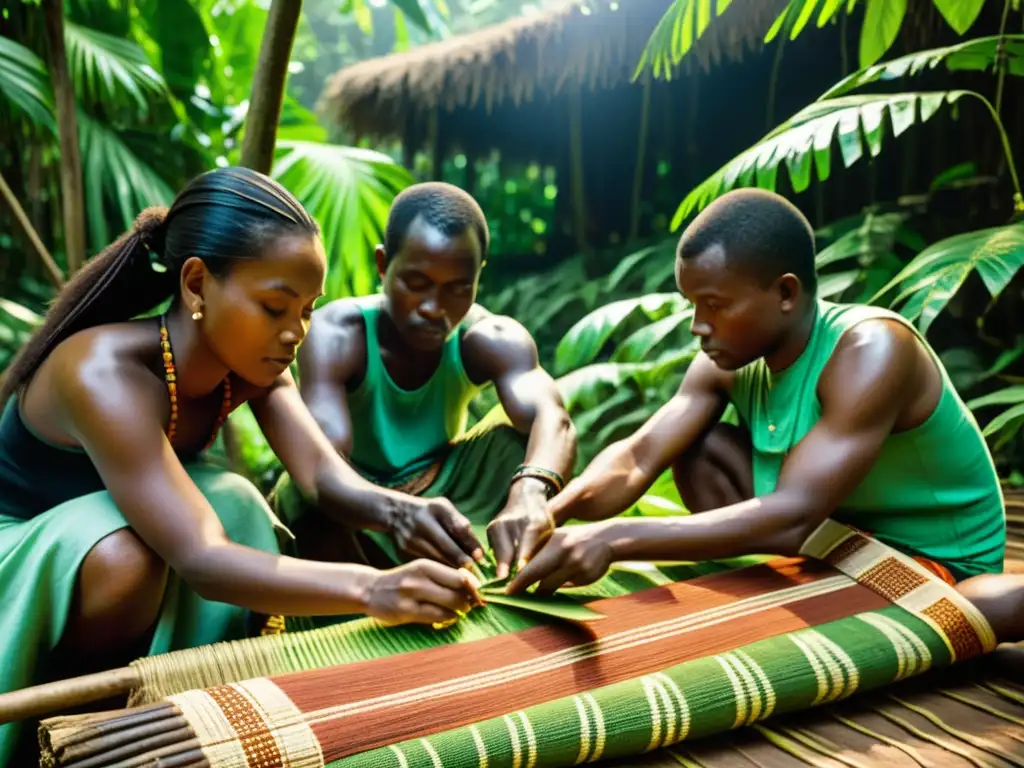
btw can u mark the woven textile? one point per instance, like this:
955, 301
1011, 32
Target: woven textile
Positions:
669, 663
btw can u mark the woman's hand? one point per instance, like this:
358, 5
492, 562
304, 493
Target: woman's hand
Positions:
422, 592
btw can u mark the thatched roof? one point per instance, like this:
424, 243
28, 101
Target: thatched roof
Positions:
520, 60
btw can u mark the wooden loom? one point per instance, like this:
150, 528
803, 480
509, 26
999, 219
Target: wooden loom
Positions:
666, 665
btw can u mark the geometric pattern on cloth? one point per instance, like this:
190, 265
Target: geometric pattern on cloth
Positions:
451, 686
666, 664
787, 673
905, 582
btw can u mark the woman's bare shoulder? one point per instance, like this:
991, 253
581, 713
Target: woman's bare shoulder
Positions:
110, 368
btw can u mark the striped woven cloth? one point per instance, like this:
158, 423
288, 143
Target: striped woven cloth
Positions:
665, 664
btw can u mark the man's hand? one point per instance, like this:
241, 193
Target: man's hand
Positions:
576, 555
522, 526
435, 529
421, 592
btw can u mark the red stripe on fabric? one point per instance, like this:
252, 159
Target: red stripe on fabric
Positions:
319, 689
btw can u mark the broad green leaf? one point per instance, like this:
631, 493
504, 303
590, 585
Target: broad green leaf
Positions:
115, 179
673, 37
348, 191
183, 40
933, 278
1009, 422
882, 21
593, 384
653, 263
978, 55
553, 606
1005, 396
105, 68
639, 344
589, 419
25, 83
850, 120
960, 14
876, 236
625, 424
834, 284
584, 341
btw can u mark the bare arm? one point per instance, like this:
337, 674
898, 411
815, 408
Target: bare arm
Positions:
501, 350
863, 390
331, 355
167, 510
622, 472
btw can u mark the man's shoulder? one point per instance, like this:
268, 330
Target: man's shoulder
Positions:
344, 316
484, 328
492, 343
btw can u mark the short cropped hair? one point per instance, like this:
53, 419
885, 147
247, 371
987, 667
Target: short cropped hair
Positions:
445, 207
761, 232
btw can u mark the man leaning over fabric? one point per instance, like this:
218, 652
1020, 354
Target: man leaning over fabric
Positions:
389, 379
846, 411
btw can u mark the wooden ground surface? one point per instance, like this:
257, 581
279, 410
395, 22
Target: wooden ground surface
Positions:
967, 717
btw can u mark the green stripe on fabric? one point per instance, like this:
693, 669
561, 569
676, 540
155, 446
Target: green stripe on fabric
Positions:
698, 698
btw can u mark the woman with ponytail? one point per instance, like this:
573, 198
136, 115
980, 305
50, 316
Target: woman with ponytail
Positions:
115, 538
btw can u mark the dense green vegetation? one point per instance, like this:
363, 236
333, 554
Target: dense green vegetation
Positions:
609, 324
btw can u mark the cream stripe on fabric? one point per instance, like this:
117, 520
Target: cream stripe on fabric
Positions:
217, 739
299, 747
830, 534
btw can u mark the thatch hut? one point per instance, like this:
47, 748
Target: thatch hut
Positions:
557, 88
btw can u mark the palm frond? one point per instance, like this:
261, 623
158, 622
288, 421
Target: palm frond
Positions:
978, 55
929, 281
349, 191
806, 139
682, 25
798, 13
105, 68
115, 176
24, 82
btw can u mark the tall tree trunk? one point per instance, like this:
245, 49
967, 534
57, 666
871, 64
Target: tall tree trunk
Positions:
72, 199
268, 85
261, 130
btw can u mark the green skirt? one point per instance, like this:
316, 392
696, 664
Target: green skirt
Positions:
40, 559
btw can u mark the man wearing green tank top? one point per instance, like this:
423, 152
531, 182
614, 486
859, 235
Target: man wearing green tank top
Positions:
845, 411
389, 379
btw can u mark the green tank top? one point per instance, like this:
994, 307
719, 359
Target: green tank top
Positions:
933, 491
397, 432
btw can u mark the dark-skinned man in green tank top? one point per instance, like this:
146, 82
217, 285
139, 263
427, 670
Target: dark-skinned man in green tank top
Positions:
844, 412
389, 379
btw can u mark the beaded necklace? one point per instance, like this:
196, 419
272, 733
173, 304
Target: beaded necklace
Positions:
171, 377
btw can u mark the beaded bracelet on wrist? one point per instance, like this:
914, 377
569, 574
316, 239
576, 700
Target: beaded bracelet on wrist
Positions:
552, 479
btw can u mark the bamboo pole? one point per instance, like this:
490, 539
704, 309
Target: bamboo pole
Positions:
63, 694
22, 220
